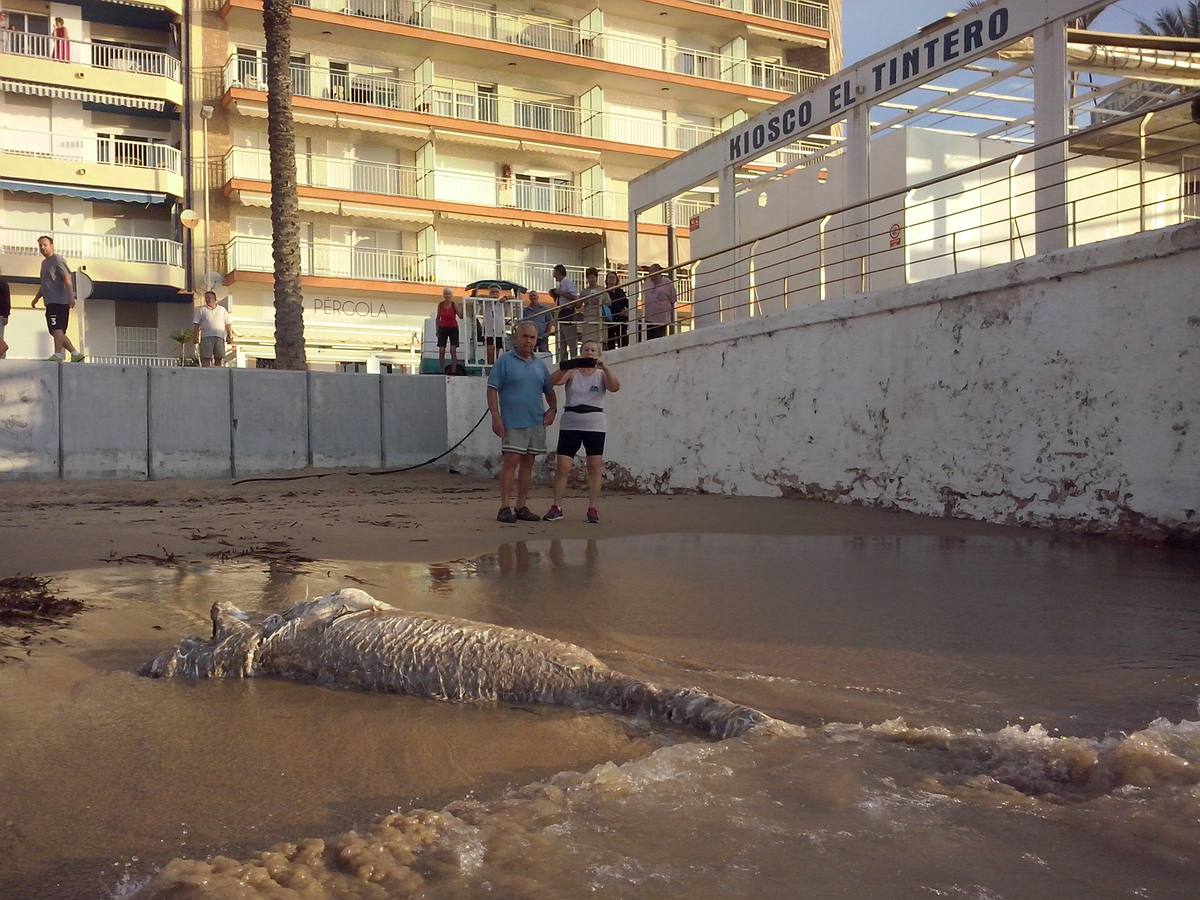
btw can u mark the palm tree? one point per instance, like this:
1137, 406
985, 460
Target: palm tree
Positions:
1181, 21
285, 227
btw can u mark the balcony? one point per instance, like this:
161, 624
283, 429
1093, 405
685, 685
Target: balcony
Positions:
432, 188
385, 92
70, 64
360, 176
92, 161
495, 29
793, 12
326, 260
106, 257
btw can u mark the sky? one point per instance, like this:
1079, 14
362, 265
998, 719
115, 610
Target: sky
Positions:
871, 25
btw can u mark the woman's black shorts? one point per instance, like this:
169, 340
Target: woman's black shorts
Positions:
570, 440
447, 333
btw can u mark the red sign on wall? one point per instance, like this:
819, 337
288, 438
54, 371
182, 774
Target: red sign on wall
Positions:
694, 223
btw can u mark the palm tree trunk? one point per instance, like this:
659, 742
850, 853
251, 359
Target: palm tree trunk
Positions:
285, 225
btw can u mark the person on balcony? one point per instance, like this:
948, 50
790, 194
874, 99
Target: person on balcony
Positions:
57, 286
62, 41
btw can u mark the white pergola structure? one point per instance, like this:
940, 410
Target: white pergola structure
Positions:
1026, 41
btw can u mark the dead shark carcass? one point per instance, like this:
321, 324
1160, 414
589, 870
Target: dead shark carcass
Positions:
350, 639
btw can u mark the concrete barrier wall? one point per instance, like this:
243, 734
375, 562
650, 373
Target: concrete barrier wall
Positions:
190, 423
414, 418
1061, 391
345, 420
135, 422
104, 421
270, 421
28, 419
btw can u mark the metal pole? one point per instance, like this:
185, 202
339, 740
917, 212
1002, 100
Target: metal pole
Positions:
206, 113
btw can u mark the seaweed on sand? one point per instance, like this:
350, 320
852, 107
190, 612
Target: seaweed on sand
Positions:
27, 607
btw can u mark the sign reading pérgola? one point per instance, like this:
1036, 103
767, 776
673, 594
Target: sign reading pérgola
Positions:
330, 306
968, 36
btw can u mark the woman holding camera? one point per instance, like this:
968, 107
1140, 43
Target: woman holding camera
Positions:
583, 424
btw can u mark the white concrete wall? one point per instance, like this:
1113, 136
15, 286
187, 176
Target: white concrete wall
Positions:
270, 420
189, 423
414, 417
344, 420
29, 417
1063, 390
104, 421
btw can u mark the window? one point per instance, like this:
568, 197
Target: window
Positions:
339, 80
28, 34
264, 364
251, 68
486, 94
137, 341
301, 75
353, 367
545, 194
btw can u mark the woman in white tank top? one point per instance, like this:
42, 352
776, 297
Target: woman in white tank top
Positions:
583, 424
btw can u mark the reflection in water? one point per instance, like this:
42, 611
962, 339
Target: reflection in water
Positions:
948, 650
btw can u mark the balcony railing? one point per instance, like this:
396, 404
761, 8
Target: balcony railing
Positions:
340, 261
386, 179
111, 151
798, 12
99, 56
502, 28
77, 247
387, 92
391, 180
325, 259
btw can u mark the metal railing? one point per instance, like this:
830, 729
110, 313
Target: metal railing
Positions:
330, 260
97, 55
387, 179
110, 150
471, 105
798, 12
530, 31
1120, 178
252, 254
76, 247
137, 360
361, 176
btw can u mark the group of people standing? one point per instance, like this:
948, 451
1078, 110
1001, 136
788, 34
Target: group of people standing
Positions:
575, 316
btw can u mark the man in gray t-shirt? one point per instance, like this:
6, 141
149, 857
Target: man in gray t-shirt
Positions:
58, 290
566, 297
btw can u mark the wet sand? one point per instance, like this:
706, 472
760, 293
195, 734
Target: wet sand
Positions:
918, 653
417, 516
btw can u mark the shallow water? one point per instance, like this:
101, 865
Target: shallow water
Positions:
114, 775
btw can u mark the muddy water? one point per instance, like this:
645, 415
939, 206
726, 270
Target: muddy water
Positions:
1007, 716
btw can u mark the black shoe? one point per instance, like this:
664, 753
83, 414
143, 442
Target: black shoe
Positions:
506, 515
525, 514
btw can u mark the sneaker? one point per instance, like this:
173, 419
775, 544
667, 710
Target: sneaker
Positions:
593, 515
553, 515
525, 514
53, 357
506, 515
78, 357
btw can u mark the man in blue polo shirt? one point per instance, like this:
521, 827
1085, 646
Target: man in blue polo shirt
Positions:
515, 389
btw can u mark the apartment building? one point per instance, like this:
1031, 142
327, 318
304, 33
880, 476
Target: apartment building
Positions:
91, 99
442, 142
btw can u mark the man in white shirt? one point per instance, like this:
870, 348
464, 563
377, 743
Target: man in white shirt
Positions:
212, 327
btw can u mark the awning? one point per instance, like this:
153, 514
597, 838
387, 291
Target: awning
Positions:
555, 226
392, 213
62, 93
84, 193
